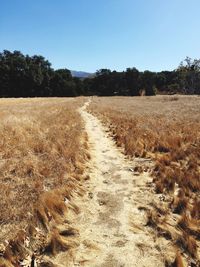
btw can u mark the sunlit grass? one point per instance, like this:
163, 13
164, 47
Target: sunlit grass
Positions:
42, 156
165, 129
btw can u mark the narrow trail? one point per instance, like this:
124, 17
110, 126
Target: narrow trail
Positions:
112, 228
112, 219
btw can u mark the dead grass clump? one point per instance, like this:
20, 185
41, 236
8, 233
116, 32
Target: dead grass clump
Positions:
195, 211
158, 220
188, 243
178, 261
179, 204
54, 204
152, 219
166, 183
41, 216
159, 187
190, 226
68, 232
56, 243
184, 222
15, 249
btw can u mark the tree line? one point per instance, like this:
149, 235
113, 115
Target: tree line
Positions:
29, 76
26, 76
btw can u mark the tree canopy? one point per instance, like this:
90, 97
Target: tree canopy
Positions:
23, 76
28, 76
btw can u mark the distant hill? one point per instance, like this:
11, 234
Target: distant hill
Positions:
81, 74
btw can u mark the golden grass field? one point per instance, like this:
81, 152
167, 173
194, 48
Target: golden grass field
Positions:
167, 130
42, 151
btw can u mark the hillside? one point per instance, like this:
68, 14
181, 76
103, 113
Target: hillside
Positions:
81, 74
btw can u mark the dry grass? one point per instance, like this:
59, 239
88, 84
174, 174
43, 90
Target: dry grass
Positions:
178, 261
42, 156
165, 129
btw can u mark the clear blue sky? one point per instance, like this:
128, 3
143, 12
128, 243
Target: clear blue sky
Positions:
92, 34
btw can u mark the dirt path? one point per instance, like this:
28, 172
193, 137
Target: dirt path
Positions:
112, 219
112, 228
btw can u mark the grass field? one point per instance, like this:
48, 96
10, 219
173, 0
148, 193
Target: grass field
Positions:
42, 152
165, 129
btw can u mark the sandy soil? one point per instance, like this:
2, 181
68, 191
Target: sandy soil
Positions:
112, 221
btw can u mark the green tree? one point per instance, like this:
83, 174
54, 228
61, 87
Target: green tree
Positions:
132, 81
62, 83
189, 75
147, 82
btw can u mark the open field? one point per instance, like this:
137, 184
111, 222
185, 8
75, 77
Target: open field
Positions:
167, 130
105, 181
42, 152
